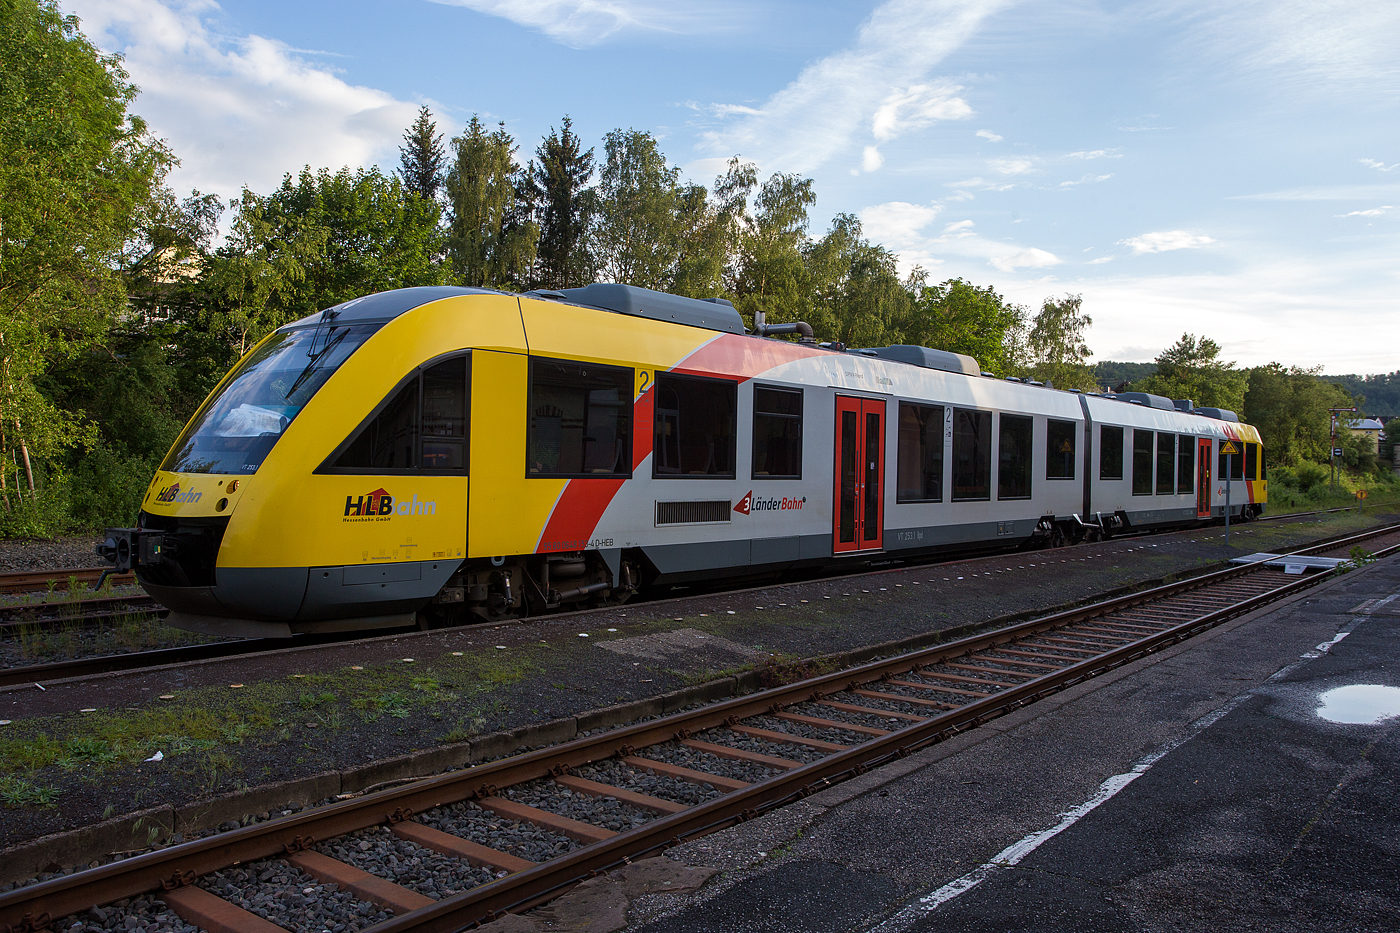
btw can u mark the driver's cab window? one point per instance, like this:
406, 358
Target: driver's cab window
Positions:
421, 427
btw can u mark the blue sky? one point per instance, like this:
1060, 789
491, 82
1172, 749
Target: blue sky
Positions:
1228, 169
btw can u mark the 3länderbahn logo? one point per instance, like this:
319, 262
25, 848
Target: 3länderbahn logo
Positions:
750, 504
381, 506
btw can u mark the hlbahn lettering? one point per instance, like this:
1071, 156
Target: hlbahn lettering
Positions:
173, 494
381, 505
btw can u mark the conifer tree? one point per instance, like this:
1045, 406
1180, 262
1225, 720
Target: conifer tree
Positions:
421, 157
558, 185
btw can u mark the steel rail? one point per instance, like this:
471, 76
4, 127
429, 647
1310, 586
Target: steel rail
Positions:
173, 866
29, 581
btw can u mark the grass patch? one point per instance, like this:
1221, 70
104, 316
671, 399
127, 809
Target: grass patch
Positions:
18, 792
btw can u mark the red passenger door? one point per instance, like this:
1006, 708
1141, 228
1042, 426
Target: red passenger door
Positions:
1203, 461
860, 469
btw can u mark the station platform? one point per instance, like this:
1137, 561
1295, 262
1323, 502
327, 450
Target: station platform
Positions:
1244, 780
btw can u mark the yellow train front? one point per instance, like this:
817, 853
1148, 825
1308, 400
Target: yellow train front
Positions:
444, 454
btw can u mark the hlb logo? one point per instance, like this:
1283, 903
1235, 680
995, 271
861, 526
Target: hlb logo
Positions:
380, 503
172, 493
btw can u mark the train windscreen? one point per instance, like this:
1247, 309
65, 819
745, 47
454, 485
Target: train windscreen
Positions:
237, 426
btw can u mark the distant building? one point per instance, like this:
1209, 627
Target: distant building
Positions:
1370, 429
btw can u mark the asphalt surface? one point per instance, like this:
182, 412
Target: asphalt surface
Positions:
1199, 789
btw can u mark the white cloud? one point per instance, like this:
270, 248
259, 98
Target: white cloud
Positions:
917, 107
1012, 166
1378, 166
897, 221
1165, 241
990, 136
1095, 154
580, 23
1306, 47
819, 113
899, 226
1373, 212
871, 159
966, 183
239, 110
1100, 261
1086, 180
1322, 193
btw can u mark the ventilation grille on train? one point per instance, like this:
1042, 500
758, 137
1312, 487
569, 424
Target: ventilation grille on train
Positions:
704, 512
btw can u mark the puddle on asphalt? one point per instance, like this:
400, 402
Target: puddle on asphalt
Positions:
1360, 704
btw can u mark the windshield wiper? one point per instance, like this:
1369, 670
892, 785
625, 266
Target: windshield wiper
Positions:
315, 360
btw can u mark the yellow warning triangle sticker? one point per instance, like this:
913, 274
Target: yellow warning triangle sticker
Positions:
1229, 448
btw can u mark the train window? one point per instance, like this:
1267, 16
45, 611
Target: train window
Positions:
422, 426
1166, 464
237, 426
972, 454
1059, 449
777, 433
920, 453
580, 419
1251, 461
1142, 463
1185, 464
1233, 463
1110, 453
694, 427
444, 437
1014, 459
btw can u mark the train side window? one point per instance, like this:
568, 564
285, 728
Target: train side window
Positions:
1059, 449
1251, 461
693, 427
1166, 464
1233, 463
1185, 464
1110, 453
1014, 457
580, 419
972, 455
1142, 463
920, 453
422, 426
777, 433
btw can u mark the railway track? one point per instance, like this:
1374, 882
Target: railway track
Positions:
505, 835
42, 581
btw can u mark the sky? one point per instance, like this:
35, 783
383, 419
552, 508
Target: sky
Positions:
1187, 166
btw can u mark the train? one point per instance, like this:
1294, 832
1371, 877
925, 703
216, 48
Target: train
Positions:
441, 455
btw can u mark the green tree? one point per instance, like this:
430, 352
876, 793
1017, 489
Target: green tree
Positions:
1058, 351
318, 240
75, 170
421, 157
769, 271
1191, 369
559, 187
1289, 406
491, 238
859, 299
636, 230
964, 318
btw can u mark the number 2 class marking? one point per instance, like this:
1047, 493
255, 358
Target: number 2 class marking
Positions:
645, 379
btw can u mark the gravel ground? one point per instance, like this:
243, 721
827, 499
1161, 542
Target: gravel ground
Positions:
676, 754
281, 894
379, 852
642, 782
31, 554
747, 743
138, 913
873, 718
485, 828
606, 812
821, 733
